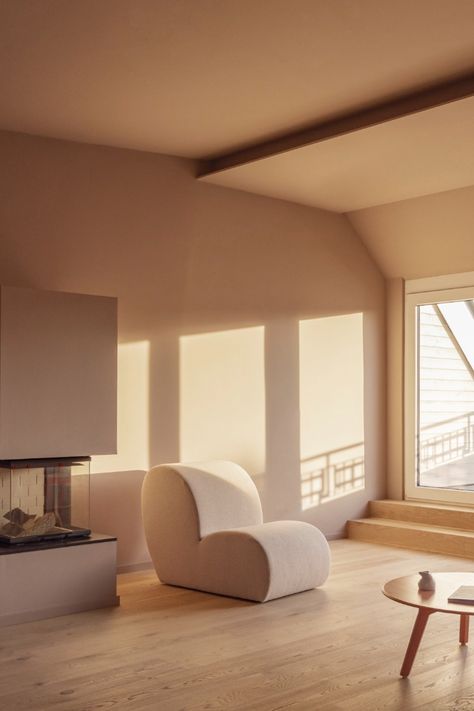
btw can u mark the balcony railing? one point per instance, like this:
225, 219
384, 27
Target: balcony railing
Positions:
453, 440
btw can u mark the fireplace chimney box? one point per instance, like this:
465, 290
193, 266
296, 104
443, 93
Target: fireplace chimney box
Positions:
58, 374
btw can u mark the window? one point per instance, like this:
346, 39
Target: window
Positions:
439, 394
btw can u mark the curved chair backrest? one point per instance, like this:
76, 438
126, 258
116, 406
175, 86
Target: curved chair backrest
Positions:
224, 494
183, 503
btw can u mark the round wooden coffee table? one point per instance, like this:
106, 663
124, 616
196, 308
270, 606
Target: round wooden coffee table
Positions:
405, 590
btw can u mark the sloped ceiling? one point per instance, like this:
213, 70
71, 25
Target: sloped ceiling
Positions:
196, 78
426, 236
202, 78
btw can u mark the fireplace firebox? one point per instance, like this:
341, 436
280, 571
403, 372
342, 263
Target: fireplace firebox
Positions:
44, 499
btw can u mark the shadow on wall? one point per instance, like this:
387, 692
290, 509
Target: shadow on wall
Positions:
116, 510
115, 489
285, 400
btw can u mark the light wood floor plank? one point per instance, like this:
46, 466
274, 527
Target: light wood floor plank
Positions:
168, 649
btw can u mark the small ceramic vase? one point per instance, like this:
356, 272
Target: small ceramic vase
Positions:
427, 582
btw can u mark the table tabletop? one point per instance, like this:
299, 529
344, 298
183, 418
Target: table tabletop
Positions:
405, 590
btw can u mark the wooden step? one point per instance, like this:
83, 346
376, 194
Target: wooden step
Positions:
415, 536
431, 514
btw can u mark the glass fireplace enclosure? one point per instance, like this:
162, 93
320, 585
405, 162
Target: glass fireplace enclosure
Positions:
44, 499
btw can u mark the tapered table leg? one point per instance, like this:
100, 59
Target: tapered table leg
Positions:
415, 639
464, 629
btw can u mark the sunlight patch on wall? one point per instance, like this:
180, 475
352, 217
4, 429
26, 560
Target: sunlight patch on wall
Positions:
133, 411
331, 408
222, 397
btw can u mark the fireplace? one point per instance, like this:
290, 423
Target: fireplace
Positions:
58, 398
44, 499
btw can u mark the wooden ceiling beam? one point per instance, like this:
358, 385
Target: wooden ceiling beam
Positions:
456, 89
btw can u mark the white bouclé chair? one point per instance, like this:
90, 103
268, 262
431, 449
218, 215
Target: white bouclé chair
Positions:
204, 529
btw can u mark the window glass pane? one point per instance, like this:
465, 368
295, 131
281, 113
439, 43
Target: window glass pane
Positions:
445, 397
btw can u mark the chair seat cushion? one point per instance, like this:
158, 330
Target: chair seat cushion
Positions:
265, 561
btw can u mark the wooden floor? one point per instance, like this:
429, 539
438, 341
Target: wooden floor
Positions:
165, 649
